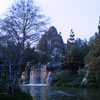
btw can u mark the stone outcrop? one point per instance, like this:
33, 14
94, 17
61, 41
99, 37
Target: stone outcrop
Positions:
34, 74
51, 47
26, 74
54, 65
49, 79
51, 43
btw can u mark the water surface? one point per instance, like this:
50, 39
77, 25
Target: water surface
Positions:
44, 92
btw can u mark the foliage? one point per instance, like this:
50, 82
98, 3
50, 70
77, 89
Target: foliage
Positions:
19, 95
92, 61
66, 79
80, 72
61, 77
74, 55
43, 58
30, 55
2, 87
23, 22
19, 29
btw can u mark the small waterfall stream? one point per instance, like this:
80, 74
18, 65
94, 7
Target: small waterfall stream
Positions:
38, 76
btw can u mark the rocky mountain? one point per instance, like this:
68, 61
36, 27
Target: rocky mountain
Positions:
51, 43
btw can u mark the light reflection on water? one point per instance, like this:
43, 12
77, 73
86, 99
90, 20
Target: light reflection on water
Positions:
37, 92
49, 93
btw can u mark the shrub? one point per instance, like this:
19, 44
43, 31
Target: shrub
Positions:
19, 95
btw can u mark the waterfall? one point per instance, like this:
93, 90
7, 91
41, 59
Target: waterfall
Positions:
38, 75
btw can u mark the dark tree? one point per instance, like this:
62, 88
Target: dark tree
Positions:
72, 37
92, 60
22, 24
74, 54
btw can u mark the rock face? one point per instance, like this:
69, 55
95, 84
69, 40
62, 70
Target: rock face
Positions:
54, 65
53, 46
51, 42
49, 78
35, 74
26, 74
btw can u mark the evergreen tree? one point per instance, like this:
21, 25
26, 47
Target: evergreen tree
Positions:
92, 60
75, 52
72, 37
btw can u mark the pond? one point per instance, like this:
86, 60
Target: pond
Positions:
43, 92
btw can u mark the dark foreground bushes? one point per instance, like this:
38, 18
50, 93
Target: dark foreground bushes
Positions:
18, 95
66, 79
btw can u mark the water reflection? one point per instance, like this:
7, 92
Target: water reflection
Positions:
51, 93
37, 92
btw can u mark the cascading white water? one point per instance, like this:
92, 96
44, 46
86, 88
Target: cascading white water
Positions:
38, 76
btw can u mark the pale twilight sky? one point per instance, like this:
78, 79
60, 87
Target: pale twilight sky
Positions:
80, 15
